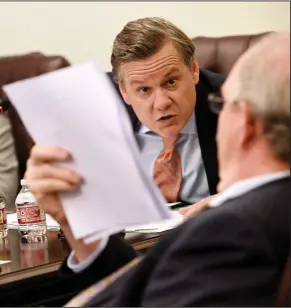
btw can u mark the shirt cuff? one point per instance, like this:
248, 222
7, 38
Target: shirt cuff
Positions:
76, 267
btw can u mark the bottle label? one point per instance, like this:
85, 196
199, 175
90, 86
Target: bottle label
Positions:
30, 214
3, 217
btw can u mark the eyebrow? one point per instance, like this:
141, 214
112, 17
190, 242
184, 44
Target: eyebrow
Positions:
136, 82
170, 72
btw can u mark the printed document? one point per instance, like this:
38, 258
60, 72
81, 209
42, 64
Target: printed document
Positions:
78, 108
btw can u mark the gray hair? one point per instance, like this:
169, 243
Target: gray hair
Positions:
264, 82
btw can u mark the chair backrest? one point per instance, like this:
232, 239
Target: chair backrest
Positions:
219, 54
15, 68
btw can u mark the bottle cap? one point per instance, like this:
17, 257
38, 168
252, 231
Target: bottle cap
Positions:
23, 182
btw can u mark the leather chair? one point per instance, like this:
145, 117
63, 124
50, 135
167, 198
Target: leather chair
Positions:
15, 68
218, 54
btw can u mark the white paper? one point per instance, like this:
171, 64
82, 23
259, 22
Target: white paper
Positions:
162, 226
78, 108
173, 204
2, 262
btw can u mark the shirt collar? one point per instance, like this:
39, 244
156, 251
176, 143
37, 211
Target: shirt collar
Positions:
242, 187
189, 128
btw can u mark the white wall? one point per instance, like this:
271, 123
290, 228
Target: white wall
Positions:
84, 31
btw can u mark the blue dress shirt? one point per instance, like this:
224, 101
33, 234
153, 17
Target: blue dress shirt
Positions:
194, 185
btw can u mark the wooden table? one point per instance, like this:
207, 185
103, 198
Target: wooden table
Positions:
30, 259
31, 278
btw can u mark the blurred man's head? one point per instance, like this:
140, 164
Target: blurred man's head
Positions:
254, 125
154, 64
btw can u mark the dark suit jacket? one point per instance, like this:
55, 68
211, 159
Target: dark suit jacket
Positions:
206, 122
232, 255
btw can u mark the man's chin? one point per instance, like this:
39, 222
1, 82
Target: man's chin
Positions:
170, 130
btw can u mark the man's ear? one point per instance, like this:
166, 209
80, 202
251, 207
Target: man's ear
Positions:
195, 71
250, 127
123, 93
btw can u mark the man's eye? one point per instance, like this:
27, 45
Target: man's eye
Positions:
171, 81
143, 89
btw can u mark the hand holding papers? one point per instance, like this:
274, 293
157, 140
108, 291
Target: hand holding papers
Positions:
77, 108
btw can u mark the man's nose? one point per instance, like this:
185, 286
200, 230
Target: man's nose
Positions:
162, 100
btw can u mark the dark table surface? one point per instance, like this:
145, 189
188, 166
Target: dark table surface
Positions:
34, 265
30, 258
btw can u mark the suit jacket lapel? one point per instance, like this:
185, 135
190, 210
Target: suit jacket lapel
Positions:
206, 123
133, 118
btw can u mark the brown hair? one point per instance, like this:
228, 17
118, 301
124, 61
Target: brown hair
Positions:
142, 38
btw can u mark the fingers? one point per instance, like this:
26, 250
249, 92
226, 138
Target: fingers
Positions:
184, 210
44, 177
51, 204
195, 208
40, 154
46, 171
46, 186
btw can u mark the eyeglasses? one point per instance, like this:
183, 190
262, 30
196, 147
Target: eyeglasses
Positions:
215, 102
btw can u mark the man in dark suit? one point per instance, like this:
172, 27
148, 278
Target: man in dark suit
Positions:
206, 124
166, 93
233, 252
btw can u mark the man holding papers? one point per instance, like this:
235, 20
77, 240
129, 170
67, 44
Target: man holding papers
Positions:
231, 254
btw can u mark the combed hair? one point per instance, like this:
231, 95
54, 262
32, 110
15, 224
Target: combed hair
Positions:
142, 38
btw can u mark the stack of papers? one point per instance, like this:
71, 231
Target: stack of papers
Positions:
77, 108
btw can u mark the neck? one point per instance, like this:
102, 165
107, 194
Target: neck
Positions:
245, 168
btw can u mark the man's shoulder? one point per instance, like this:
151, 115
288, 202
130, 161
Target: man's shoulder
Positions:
270, 199
268, 202
211, 80
259, 216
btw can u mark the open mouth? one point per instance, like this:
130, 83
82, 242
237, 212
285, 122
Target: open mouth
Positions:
166, 118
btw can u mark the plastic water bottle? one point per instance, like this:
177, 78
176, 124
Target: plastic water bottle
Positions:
3, 219
31, 218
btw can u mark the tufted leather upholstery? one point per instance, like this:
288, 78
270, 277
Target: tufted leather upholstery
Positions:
218, 54
15, 68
